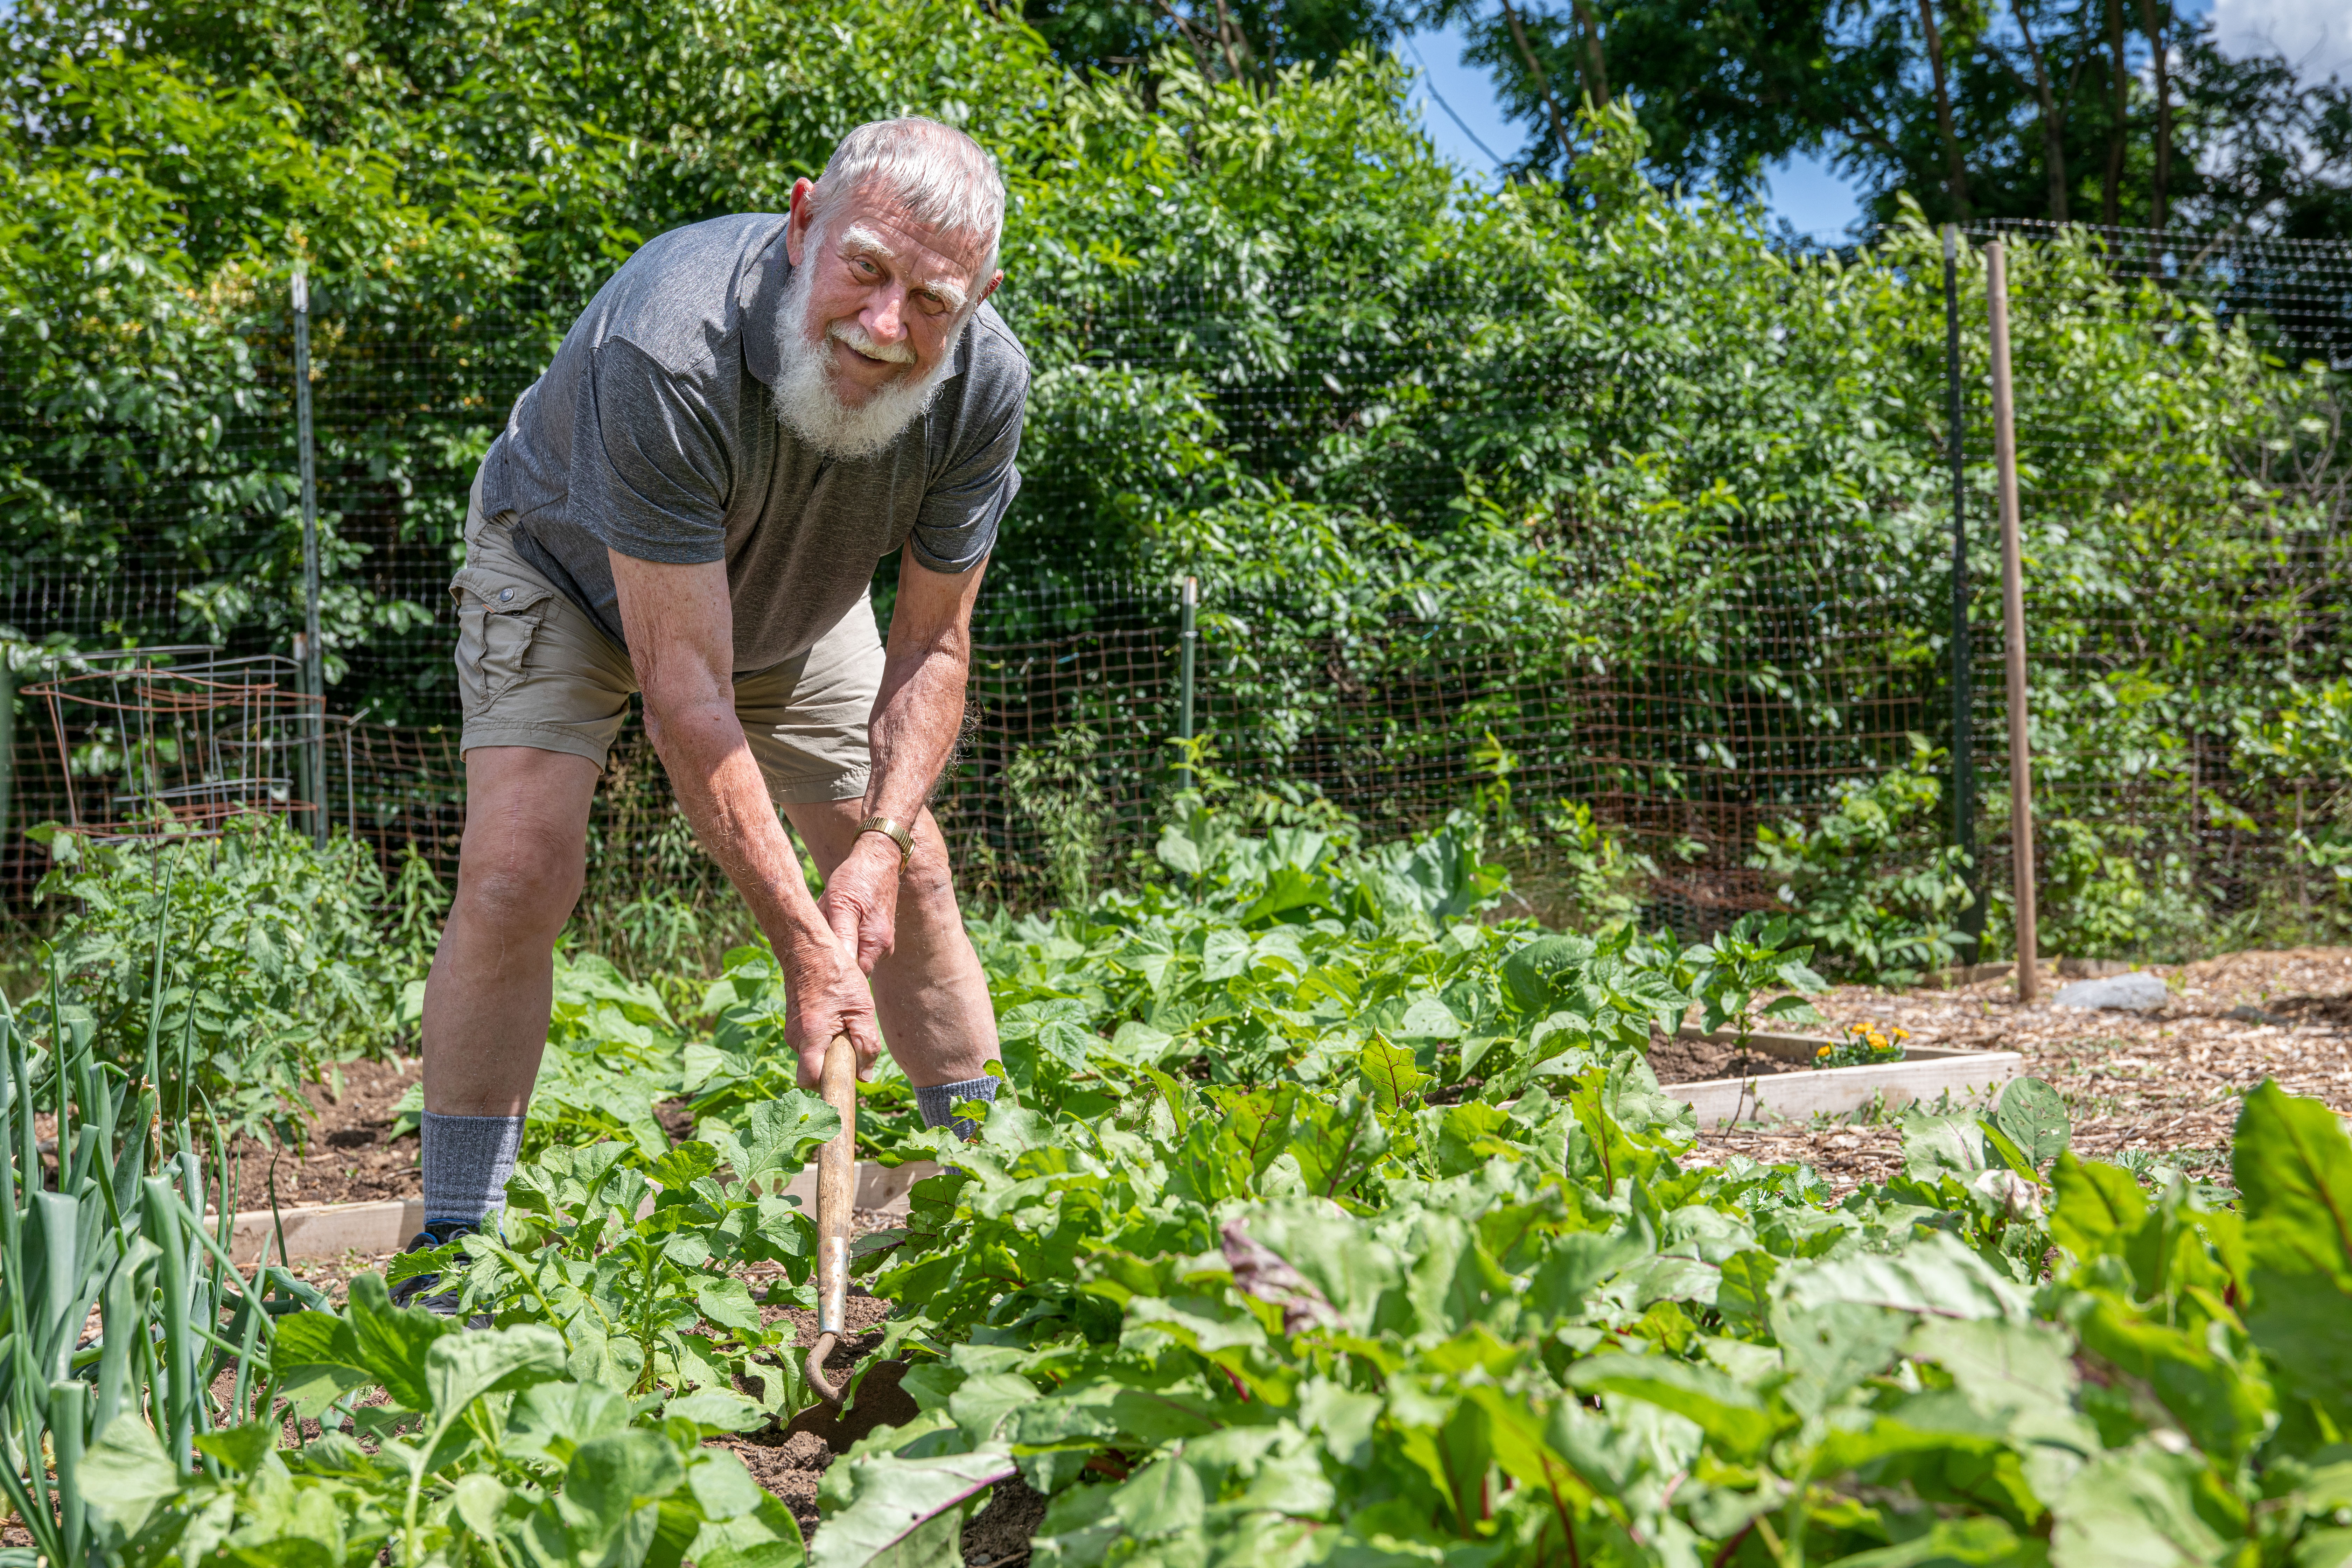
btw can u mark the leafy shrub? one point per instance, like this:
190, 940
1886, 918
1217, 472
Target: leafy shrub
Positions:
275, 967
1868, 884
1053, 787
2096, 898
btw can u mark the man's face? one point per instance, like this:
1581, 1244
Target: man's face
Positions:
886, 294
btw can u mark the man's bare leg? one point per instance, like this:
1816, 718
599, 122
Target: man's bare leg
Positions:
930, 994
519, 870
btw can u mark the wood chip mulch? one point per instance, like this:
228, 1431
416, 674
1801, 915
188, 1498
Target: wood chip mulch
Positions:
2168, 1082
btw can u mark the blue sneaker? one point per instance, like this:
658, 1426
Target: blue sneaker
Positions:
429, 1290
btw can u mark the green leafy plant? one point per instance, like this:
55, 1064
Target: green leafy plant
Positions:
1868, 884
275, 967
634, 1261
129, 1232
478, 1450
1055, 788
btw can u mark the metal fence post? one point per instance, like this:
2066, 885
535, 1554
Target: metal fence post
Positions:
307, 651
1964, 773
2012, 599
7, 745
1190, 637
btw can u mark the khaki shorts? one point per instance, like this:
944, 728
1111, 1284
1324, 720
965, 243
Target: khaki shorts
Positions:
534, 670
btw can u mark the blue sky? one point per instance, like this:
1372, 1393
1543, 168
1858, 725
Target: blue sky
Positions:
2315, 34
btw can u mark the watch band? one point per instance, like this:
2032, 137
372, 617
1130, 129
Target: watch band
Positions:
890, 829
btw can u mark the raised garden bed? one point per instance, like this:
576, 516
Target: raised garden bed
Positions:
1777, 1083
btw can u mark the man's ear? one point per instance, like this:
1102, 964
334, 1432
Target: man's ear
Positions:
796, 233
984, 293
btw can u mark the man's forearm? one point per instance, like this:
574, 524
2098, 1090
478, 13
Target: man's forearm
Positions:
700, 742
917, 717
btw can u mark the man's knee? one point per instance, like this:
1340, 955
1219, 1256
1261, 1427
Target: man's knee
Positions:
520, 877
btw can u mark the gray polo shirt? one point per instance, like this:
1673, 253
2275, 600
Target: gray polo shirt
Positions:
654, 432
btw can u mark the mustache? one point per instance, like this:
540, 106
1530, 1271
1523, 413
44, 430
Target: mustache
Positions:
854, 335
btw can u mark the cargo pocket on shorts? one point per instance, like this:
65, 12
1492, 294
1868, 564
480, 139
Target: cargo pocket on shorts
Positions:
496, 620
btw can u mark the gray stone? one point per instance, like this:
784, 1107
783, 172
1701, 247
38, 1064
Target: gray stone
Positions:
2139, 992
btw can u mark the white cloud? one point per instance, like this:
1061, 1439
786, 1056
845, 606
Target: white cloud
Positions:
2316, 35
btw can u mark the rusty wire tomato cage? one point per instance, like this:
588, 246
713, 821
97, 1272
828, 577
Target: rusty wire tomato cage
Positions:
174, 742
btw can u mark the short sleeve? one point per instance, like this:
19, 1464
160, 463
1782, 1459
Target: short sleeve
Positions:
970, 491
649, 471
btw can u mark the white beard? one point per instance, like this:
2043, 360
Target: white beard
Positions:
807, 405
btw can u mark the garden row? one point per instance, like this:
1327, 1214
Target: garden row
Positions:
1328, 1219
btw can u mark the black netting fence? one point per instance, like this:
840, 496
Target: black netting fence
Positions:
1669, 674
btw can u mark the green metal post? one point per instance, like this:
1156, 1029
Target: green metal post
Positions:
8, 744
1190, 639
314, 683
1964, 781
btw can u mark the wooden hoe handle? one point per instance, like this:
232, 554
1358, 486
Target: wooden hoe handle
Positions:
837, 1191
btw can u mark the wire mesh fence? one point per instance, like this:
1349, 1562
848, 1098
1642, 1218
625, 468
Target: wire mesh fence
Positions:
2188, 548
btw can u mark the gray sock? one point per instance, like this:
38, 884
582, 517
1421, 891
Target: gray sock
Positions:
467, 1160
937, 1102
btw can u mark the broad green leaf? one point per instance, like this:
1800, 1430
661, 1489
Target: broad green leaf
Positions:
316, 1358
1834, 1346
1936, 1275
723, 1487
767, 1537
719, 1408
461, 1368
126, 1476
2034, 1117
239, 1447
1388, 1073
2145, 1507
480, 1500
1531, 974
1728, 1412
891, 1500
551, 1420
1163, 1497
612, 1476
1938, 1146
391, 1343
2294, 1167
2099, 1207
683, 1165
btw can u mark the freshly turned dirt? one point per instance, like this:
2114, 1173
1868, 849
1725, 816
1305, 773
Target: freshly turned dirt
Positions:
1682, 1059
351, 1156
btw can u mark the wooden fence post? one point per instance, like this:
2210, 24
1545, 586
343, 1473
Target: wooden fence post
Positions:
2012, 599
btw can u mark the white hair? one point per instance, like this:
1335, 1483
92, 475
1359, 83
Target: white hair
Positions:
946, 180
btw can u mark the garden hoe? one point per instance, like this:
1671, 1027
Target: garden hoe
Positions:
837, 1190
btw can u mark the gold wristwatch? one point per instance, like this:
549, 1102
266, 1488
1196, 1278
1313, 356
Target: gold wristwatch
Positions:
891, 830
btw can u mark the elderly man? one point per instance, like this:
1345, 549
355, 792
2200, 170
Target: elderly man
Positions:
691, 502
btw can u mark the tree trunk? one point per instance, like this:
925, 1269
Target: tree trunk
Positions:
1596, 66
2118, 104
2053, 118
2152, 23
1956, 173
1543, 86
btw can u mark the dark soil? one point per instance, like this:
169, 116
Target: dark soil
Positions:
1683, 1059
789, 1461
351, 1156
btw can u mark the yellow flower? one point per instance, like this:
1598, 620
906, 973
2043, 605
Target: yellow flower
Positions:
1824, 1051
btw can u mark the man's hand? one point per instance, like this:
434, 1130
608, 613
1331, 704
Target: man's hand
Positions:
861, 899
829, 997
